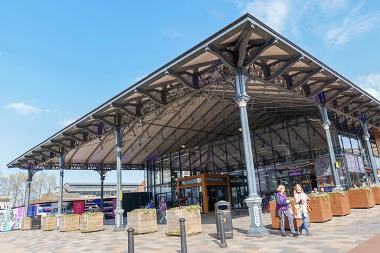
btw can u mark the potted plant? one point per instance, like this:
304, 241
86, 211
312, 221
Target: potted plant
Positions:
26, 223
361, 197
142, 220
192, 216
276, 220
68, 222
321, 207
376, 193
340, 204
49, 222
91, 222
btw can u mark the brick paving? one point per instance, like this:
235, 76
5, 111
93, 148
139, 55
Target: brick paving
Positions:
341, 234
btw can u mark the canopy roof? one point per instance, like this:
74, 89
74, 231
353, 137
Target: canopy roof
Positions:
189, 101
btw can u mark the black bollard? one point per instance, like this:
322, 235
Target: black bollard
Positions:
222, 235
182, 231
131, 240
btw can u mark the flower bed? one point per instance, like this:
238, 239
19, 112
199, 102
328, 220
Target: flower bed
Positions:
361, 197
321, 207
91, 222
340, 204
192, 216
376, 194
276, 220
68, 222
142, 220
26, 223
49, 223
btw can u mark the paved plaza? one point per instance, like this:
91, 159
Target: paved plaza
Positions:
341, 234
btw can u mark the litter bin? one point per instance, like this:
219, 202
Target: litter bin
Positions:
225, 208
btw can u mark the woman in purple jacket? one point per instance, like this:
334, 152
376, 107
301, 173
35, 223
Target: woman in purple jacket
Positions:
283, 209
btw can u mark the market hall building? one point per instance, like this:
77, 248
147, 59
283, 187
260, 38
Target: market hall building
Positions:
231, 118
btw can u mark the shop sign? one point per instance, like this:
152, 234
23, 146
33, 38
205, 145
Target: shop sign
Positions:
295, 172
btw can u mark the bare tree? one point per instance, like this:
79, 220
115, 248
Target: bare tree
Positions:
43, 182
16, 184
4, 189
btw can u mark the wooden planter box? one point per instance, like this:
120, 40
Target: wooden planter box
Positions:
376, 194
361, 198
321, 208
276, 220
49, 223
340, 204
69, 222
192, 216
26, 223
91, 222
142, 220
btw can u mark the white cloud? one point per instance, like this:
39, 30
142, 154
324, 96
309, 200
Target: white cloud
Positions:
22, 108
351, 27
66, 122
371, 84
331, 5
274, 13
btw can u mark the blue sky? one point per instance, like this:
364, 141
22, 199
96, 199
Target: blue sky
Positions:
60, 59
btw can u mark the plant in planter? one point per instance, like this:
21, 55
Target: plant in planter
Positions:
340, 204
192, 216
142, 220
91, 222
68, 222
321, 207
376, 193
49, 222
361, 197
26, 223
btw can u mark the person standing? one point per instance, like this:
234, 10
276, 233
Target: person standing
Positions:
163, 207
301, 207
283, 209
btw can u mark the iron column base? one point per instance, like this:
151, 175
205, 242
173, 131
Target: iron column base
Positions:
256, 226
338, 189
119, 220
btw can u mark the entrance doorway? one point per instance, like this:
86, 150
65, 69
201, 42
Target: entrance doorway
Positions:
204, 190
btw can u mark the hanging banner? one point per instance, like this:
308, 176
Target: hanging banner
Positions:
322, 166
351, 163
360, 164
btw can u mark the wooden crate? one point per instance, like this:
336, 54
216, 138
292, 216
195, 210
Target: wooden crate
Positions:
321, 207
376, 194
192, 216
276, 220
69, 222
142, 220
26, 223
91, 222
361, 197
340, 204
49, 223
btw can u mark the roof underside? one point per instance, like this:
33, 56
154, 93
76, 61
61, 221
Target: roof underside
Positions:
189, 101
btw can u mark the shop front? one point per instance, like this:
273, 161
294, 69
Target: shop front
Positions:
204, 190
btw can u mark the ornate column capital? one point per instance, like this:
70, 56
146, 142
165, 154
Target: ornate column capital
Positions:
242, 100
326, 124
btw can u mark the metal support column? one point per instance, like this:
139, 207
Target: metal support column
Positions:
363, 122
256, 226
326, 126
27, 193
119, 222
102, 177
61, 172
